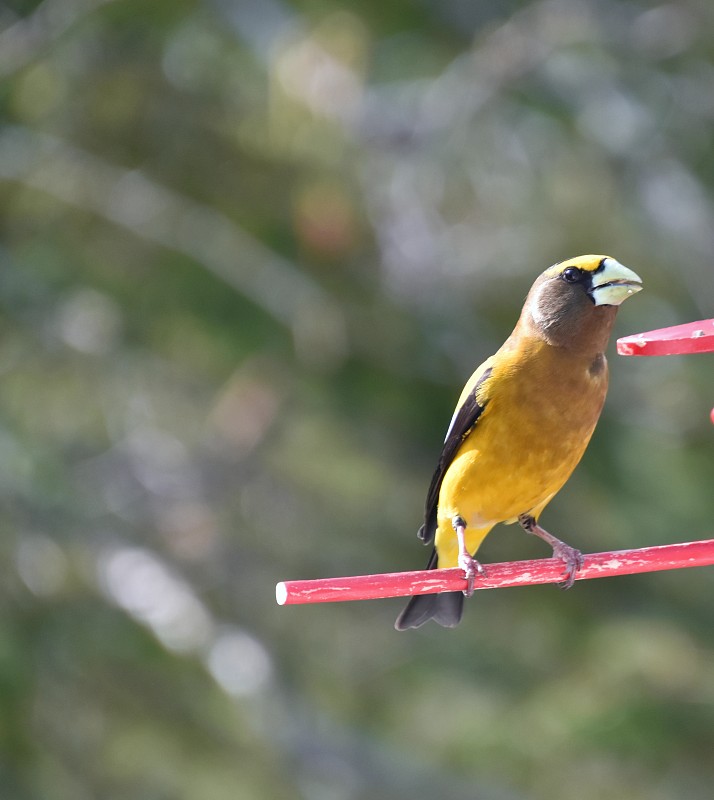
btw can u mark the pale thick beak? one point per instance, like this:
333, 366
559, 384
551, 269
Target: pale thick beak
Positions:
614, 283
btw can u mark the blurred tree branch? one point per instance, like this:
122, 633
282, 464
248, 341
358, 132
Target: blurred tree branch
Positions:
26, 39
152, 212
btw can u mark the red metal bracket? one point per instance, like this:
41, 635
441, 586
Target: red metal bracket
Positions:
692, 337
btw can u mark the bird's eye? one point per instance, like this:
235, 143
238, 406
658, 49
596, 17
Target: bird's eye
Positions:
572, 275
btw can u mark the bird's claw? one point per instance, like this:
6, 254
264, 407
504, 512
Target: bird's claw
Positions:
573, 560
470, 567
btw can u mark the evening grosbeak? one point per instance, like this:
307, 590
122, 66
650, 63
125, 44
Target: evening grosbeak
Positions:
522, 424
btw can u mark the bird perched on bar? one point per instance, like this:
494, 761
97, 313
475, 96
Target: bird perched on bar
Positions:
521, 425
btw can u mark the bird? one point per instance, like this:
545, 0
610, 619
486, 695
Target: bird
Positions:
521, 425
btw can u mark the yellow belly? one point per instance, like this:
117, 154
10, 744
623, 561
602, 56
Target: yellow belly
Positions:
518, 456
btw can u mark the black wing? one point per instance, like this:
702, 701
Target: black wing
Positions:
464, 420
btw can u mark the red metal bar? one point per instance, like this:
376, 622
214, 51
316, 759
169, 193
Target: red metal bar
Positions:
692, 337
512, 573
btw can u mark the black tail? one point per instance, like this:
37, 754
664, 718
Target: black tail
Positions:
445, 608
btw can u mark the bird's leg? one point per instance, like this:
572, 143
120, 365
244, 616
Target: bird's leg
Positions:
572, 558
466, 561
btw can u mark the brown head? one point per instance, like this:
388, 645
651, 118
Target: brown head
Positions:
573, 304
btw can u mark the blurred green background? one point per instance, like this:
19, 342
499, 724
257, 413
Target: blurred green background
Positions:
250, 251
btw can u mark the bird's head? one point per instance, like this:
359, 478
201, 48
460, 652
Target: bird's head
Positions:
578, 299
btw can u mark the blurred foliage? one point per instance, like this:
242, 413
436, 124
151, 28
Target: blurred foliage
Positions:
250, 251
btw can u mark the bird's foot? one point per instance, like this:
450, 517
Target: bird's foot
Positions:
471, 568
573, 560
466, 561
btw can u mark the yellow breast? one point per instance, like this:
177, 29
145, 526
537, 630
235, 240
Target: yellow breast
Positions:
541, 410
